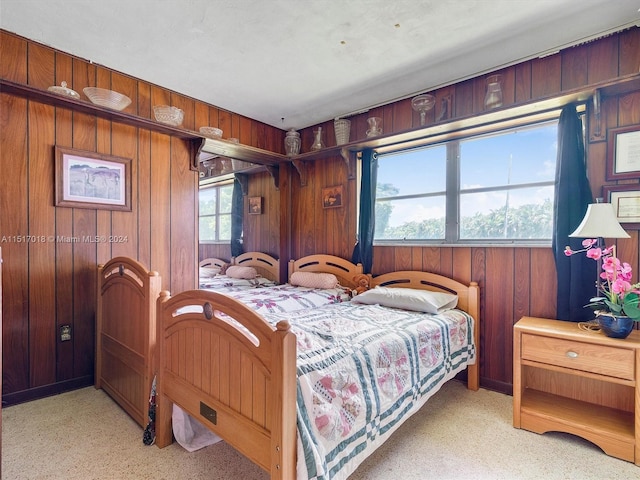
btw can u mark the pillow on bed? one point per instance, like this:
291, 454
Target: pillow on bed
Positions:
209, 272
236, 271
313, 280
408, 299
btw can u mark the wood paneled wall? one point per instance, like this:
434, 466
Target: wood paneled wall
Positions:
49, 283
514, 281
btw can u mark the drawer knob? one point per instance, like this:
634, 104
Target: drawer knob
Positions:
572, 354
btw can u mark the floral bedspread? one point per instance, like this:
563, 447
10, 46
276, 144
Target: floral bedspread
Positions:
364, 369
223, 283
287, 298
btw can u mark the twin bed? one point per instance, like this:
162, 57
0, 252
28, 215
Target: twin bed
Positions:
213, 272
308, 393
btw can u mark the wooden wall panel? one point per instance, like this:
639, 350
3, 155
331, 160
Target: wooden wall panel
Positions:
13, 228
628, 52
164, 188
513, 281
546, 76
603, 59
42, 345
50, 283
575, 64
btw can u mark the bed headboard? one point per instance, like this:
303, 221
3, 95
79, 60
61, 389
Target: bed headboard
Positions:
341, 268
266, 265
213, 262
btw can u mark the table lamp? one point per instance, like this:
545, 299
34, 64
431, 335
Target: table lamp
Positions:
599, 222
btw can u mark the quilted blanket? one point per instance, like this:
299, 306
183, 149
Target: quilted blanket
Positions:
287, 298
364, 369
223, 283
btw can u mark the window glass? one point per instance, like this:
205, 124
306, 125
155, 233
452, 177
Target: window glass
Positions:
495, 187
215, 213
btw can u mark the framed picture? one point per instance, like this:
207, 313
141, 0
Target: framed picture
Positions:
332, 196
623, 153
255, 205
92, 180
625, 200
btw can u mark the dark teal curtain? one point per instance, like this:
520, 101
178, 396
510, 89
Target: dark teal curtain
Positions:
576, 274
237, 211
363, 251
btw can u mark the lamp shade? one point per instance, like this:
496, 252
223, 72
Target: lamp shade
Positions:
600, 221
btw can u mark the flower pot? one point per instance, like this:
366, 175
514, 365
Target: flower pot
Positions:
616, 327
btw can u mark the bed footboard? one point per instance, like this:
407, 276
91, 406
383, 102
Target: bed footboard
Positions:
126, 333
227, 367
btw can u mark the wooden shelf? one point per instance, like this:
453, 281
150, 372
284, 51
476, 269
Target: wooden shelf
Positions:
576, 414
86, 107
610, 429
203, 148
447, 129
221, 148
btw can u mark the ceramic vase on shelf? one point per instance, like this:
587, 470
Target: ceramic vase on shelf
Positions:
292, 143
318, 144
616, 327
342, 127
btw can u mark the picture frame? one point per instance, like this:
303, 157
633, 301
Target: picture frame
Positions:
625, 200
255, 205
623, 153
332, 196
85, 179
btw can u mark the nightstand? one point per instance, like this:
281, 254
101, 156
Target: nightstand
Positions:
581, 382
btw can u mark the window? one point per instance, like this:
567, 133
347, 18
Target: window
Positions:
496, 187
215, 213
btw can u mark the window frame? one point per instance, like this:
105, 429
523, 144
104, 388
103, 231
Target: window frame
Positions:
452, 140
217, 186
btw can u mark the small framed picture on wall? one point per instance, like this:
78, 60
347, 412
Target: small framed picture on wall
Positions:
625, 200
255, 205
332, 196
623, 153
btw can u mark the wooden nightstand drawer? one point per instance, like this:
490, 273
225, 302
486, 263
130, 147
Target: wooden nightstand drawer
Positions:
587, 357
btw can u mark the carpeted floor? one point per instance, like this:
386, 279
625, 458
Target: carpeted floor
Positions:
458, 435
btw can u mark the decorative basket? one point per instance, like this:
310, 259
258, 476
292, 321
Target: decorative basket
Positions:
342, 127
107, 98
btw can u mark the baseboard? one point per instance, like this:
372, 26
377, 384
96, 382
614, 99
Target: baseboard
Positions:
501, 387
14, 398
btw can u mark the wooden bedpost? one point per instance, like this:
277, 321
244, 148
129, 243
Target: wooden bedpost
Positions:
473, 371
284, 431
98, 349
164, 433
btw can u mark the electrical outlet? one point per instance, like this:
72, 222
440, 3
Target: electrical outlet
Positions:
65, 333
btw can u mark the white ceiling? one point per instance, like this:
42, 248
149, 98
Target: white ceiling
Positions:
291, 63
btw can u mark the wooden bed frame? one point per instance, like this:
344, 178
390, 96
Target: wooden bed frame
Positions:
346, 272
126, 334
266, 265
126, 321
213, 262
240, 380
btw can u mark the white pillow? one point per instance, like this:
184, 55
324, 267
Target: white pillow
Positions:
236, 271
408, 299
313, 280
